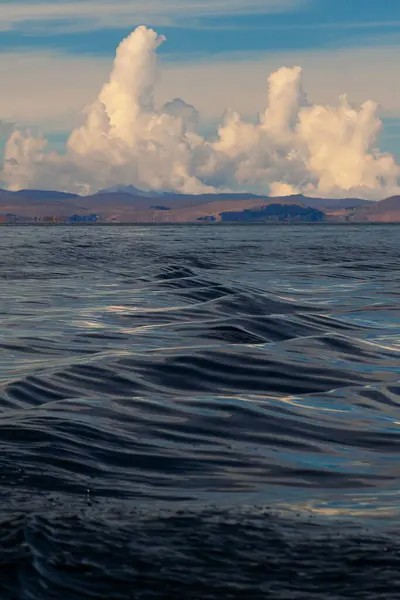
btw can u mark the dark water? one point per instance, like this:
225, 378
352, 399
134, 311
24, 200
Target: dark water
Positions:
200, 412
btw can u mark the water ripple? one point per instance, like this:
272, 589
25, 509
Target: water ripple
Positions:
169, 367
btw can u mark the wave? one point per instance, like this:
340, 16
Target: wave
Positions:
136, 375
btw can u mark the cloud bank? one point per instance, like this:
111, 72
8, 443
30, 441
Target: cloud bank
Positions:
293, 147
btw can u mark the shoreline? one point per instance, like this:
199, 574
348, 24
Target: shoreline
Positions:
203, 224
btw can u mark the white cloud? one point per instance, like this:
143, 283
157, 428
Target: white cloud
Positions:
103, 13
239, 80
50, 90
128, 137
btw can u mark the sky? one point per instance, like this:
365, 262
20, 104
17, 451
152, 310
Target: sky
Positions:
217, 55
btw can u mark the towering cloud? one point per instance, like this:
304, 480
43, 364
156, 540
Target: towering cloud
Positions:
294, 147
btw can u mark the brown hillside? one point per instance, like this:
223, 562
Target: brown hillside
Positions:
385, 211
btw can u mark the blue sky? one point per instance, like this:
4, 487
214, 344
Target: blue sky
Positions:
55, 54
221, 26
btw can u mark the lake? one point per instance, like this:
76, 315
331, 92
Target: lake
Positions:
200, 412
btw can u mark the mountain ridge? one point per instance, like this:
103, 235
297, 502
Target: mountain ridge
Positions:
127, 206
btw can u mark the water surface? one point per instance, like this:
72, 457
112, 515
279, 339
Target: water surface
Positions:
199, 411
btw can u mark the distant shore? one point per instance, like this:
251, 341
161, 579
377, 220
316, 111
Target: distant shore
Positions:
206, 223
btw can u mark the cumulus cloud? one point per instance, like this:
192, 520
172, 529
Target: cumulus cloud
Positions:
126, 139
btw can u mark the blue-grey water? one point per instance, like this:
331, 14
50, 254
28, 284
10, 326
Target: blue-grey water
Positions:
200, 412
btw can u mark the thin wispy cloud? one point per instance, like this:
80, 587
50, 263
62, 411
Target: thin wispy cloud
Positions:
326, 25
105, 14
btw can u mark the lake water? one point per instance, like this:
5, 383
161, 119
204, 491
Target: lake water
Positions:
200, 412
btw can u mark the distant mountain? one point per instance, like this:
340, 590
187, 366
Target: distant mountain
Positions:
328, 203
39, 203
5, 194
132, 205
27, 196
132, 190
127, 202
319, 203
43, 195
275, 212
385, 211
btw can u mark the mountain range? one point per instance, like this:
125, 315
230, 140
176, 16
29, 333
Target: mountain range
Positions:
128, 204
